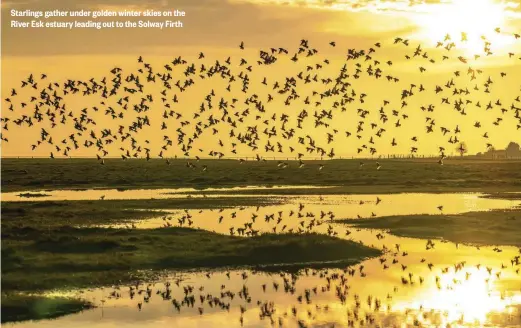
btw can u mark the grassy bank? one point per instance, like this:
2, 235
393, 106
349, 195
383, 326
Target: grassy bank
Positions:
33, 259
394, 176
55, 245
478, 228
24, 307
46, 214
504, 195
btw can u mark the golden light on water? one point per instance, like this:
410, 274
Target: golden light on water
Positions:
470, 299
465, 297
469, 23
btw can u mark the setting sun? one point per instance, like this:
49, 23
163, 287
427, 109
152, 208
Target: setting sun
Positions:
468, 297
469, 23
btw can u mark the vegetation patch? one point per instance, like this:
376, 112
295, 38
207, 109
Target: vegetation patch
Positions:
423, 175
18, 307
477, 228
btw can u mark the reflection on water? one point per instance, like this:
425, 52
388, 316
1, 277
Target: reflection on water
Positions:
295, 209
426, 283
96, 194
457, 290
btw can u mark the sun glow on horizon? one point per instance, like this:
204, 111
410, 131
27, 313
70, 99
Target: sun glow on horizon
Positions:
471, 24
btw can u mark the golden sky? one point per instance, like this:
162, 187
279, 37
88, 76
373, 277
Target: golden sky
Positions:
217, 27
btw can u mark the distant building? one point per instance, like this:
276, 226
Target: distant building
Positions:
499, 154
512, 151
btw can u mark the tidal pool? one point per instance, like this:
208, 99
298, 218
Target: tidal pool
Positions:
97, 194
417, 282
290, 211
448, 285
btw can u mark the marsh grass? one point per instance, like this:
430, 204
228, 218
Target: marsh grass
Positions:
34, 260
395, 175
47, 214
56, 245
18, 307
477, 228
47, 245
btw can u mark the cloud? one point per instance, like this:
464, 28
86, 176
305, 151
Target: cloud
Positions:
512, 8
208, 23
220, 24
